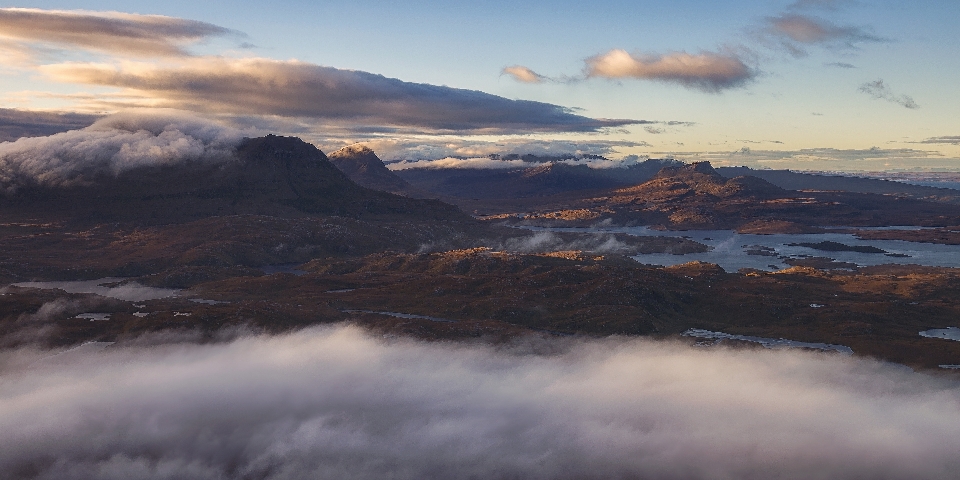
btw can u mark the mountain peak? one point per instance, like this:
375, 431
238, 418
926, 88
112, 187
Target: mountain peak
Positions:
353, 150
363, 166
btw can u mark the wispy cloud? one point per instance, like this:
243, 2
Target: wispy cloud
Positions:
111, 32
831, 5
260, 86
948, 140
523, 74
334, 403
794, 32
879, 90
840, 65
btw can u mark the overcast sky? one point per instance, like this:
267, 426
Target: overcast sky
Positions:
808, 84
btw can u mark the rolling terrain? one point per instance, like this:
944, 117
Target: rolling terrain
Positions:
277, 238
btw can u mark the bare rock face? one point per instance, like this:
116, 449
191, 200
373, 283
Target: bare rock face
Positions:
364, 167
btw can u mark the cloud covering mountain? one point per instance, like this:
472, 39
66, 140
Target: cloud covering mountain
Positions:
335, 403
112, 145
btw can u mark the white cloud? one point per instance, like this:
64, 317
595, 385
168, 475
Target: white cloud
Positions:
334, 403
523, 74
707, 71
112, 145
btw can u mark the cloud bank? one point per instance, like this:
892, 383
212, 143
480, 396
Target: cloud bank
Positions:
459, 148
260, 86
880, 91
949, 139
706, 71
112, 145
334, 403
15, 123
110, 32
509, 164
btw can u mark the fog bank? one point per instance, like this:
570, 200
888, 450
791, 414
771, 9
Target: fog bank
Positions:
335, 403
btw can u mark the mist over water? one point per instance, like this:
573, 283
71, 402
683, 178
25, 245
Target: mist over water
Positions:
337, 403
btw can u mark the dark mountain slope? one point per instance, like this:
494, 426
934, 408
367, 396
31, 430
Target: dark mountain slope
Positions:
544, 180
272, 175
277, 200
364, 167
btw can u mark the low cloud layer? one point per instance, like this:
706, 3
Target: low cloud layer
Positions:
500, 163
829, 159
545, 242
110, 32
417, 149
260, 86
112, 145
15, 123
880, 91
949, 139
707, 71
334, 403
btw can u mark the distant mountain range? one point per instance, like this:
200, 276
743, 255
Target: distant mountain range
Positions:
810, 181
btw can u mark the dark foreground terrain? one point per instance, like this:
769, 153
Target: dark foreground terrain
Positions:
214, 237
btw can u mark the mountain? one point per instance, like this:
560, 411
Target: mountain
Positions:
364, 167
550, 178
808, 181
272, 175
275, 200
697, 196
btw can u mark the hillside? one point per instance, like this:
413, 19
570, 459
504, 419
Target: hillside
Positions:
364, 167
275, 200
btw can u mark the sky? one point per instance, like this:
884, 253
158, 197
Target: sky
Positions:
808, 84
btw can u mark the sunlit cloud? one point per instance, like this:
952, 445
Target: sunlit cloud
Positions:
880, 91
706, 71
335, 403
110, 32
259, 86
524, 74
